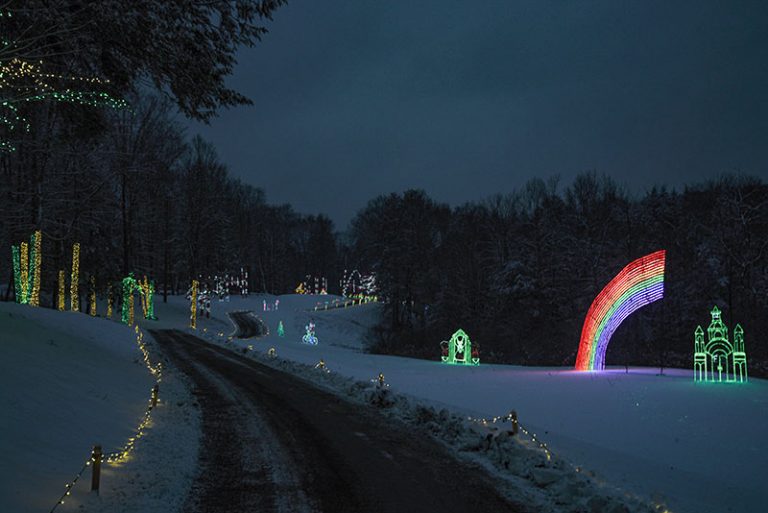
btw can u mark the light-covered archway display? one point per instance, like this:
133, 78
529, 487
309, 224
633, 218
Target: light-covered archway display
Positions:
640, 283
459, 350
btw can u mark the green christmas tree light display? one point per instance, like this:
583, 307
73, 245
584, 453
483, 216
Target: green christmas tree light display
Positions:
458, 350
718, 360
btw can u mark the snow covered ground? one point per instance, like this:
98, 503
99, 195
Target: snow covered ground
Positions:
695, 448
69, 381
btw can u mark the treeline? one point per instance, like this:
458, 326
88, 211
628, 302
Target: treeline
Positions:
140, 198
518, 272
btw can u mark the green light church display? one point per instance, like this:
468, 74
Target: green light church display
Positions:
458, 350
718, 360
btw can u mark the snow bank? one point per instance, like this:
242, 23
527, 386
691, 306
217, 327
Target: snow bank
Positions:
69, 381
696, 448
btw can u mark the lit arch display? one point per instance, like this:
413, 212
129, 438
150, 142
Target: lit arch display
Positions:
637, 285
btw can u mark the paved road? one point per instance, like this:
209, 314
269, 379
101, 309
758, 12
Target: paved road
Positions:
248, 326
275, 443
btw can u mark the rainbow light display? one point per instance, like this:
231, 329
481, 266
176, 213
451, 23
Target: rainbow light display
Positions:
637, 285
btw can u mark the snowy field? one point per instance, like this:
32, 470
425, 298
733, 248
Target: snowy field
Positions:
69, 381
695, 448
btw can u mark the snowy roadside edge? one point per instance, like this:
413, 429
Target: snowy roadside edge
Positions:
529, 477
163, 465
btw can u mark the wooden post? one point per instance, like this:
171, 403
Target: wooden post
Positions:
96, 475
155, 391
513, 416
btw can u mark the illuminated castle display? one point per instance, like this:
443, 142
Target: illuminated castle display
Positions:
718, 359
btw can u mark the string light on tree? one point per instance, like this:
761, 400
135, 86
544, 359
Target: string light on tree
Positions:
74, 300
147, 290
92, 296
193, 306
62, 296
24, 82
26, 270
109, 300
37, 262
16, 262
24, 273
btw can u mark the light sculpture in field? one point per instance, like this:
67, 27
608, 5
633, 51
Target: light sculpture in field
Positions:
280, 329
717, 359
637, 285
309, 337
459, 350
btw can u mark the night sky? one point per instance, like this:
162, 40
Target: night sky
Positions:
355, 98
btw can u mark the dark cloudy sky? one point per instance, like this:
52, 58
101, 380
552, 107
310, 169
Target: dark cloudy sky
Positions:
354, 98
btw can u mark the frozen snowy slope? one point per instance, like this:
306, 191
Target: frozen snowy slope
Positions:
699, 449
67, 382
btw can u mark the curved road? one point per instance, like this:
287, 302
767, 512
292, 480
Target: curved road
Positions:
275, 443
248, 326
